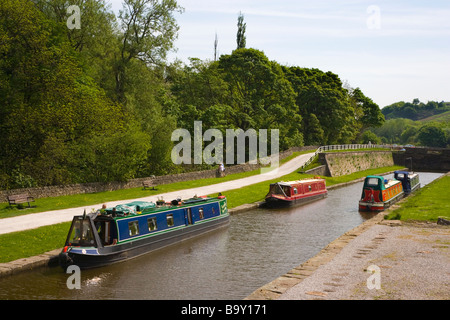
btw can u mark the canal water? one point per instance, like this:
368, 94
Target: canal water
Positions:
257, 247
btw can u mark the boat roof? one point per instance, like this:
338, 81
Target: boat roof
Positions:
289, 183
406, 173
376, 177
136, 207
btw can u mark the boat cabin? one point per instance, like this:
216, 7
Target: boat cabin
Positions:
296, 192
296, 188
410, 181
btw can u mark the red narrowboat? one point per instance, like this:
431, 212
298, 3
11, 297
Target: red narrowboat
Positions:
291, 193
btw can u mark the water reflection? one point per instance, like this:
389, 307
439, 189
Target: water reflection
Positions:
230, 263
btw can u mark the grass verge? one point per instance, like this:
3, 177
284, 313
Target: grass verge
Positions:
28, 243
426, 204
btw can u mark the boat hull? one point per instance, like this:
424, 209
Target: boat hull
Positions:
278, 202
93, 258
379, 206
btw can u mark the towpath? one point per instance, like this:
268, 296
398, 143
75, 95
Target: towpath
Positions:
36, 220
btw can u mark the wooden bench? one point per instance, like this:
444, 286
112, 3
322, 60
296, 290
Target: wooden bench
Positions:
149, 184
20, 198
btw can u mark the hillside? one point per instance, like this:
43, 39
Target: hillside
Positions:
415, 110
442, 117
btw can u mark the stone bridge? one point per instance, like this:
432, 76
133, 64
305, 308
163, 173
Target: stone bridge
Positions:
424, 159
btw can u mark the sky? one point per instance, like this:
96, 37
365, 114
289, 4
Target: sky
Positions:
395, 50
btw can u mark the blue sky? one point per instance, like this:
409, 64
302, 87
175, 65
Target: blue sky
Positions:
392, 50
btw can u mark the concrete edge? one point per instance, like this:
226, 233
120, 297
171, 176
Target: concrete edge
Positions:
47, 259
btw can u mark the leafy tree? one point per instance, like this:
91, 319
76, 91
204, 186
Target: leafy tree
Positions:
240, 38
47, 99
52, 109
367, 112
392, 130
313, 131
323, 95
260, 95
148, 32
432, 135
370, 137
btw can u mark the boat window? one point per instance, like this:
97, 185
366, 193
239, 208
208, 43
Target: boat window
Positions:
275, 189
152, 224
295, 191
372, 182
200, 213
309, 188
81, 233
170, 220
133, 228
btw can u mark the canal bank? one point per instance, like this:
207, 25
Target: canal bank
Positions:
50, 259
379, 259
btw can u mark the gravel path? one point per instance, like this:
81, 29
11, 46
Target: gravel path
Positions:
410, 261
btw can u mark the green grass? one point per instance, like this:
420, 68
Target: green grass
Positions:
442, 117
33, 242
28, 243
426, 204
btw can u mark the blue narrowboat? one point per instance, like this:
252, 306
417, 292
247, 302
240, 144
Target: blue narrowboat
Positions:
126, 231
410, 181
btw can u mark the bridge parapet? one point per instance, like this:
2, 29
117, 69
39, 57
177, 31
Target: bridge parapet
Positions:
424, 159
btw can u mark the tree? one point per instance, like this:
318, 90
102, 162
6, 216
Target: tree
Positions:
367, 112
260, 95
240, 38
322, 94
431, 135
370, 137
49, 104
148, 32
313, 131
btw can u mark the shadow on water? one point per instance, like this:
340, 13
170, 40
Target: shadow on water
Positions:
229, 263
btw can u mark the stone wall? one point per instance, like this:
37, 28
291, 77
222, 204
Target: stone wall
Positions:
343, 163
55, 191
